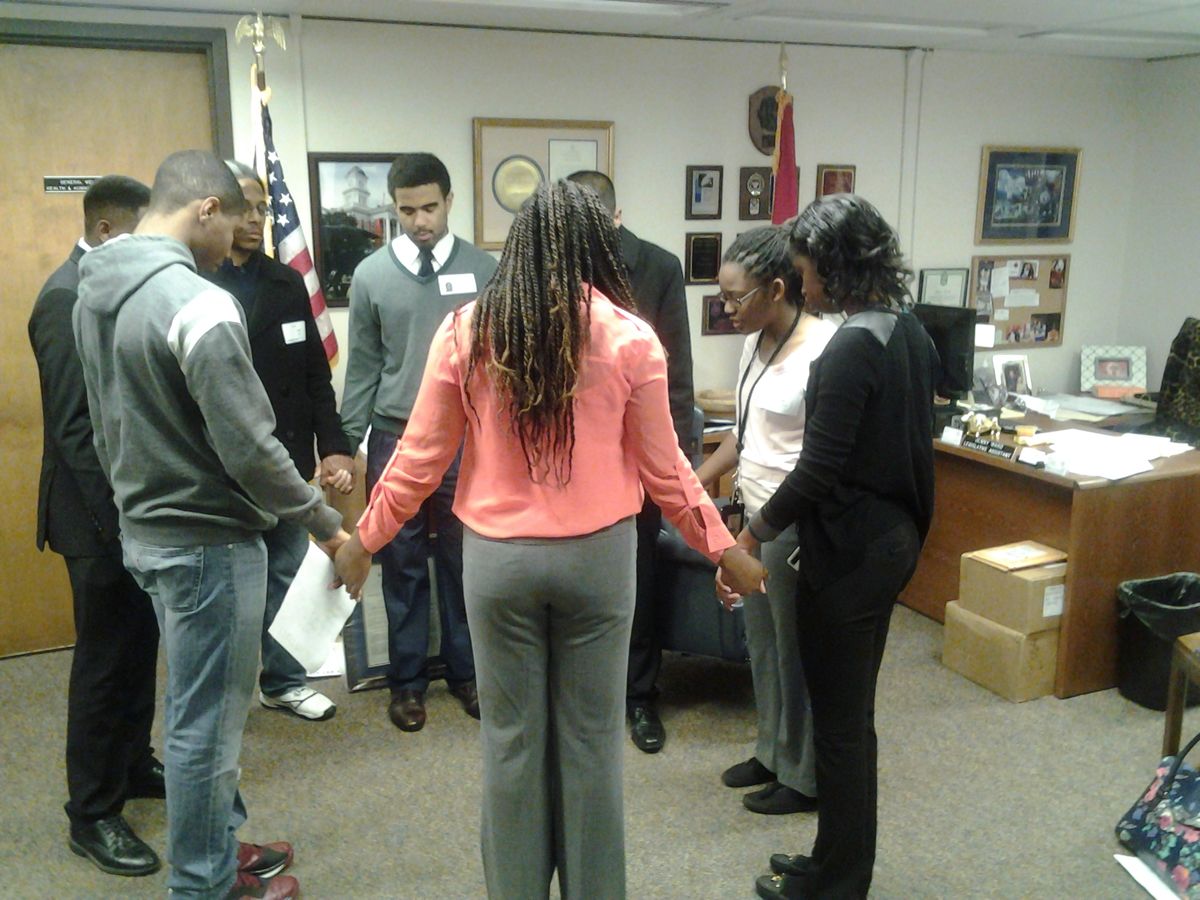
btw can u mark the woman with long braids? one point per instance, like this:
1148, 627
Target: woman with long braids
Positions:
861, 497
560, 392
761, 291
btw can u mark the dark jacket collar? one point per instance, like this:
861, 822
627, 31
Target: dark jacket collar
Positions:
631, 249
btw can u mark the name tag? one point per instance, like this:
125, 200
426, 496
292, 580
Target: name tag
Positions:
293, 332
462, 283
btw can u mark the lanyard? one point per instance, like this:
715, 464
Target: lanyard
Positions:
745, 410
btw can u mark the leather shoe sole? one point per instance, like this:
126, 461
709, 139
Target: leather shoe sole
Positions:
407, 710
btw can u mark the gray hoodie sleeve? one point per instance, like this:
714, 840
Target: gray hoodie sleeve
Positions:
209, 341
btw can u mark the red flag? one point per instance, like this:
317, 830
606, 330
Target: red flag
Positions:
783, 166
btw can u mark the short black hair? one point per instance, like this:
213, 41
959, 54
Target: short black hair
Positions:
190, 175
855, 250
241, 171
415, 169
110, 194
765, 254
600, 183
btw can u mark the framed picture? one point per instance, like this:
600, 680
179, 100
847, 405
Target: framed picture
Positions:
834, 179
715, 320
1012, 372
1027, 194
1103, 365
514, 156
943, 287
703, 198
1021, 300
702, 257
353, 216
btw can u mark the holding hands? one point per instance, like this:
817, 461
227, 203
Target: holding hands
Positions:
337, 471
353, 564
740, 572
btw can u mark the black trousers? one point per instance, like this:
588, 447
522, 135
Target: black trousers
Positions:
645, 650
843, 628
110, 701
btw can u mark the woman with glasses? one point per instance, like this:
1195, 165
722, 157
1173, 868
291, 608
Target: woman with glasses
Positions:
561, 395
762, 293
861, 498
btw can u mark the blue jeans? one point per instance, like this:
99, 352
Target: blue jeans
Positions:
287, 544
209, 604
406, 588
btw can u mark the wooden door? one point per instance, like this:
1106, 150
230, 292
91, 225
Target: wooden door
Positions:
65, 111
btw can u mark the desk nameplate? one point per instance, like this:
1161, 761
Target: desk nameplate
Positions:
991, 448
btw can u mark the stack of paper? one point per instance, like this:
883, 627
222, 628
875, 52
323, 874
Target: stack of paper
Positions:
1104, 455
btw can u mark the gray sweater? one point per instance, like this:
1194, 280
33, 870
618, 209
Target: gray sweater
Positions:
183, 427
393, 317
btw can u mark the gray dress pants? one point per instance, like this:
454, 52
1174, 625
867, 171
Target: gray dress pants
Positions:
785, 730
550, 620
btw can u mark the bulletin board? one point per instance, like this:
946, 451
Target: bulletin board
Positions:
1023, 297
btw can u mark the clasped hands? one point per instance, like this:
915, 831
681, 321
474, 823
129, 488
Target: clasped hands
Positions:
350, 559
740, 572
337, 471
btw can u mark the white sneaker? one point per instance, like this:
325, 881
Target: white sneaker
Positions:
303, 702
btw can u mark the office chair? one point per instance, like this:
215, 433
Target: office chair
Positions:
1178, 413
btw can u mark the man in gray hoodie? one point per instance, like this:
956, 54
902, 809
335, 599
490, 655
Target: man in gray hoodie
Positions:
183, 430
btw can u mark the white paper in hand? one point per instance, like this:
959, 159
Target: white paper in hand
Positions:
312, 614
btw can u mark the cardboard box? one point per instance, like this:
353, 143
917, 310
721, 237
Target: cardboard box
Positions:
1019, 586
1016, 666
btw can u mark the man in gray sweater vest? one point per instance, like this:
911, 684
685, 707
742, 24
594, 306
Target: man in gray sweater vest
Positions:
183, 431
398, 297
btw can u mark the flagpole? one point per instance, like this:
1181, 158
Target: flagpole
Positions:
783, 63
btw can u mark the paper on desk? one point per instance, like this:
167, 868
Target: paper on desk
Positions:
1075, 415
1154, 446
1144, 876
1089, 453
312, 614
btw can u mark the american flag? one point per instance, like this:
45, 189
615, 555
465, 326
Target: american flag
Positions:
285, 232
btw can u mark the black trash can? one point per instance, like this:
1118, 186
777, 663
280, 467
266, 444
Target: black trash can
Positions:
1153, 613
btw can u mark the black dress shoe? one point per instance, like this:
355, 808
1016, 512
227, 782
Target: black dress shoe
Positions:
778, 800
775, 887
147, 781
794, 864
647, 728
468, 696
111, 844
747, 774
407, 710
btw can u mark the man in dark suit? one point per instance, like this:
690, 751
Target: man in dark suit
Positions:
289, 358
110, 699
657, 280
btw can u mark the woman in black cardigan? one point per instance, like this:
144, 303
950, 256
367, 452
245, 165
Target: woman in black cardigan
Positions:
862, 496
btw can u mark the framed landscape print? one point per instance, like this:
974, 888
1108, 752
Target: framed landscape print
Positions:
1027, 195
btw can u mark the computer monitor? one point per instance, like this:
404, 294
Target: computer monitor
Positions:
952, 330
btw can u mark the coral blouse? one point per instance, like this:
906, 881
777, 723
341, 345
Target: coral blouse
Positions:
624, 439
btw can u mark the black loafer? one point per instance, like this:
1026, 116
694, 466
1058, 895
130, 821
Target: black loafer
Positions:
747, 774
794, 864
778, 800
646, 728
111, 844
147, 781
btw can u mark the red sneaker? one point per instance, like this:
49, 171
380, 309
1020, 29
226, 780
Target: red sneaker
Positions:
264, 860
251, 887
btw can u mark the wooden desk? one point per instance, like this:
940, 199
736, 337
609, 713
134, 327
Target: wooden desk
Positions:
1139, 527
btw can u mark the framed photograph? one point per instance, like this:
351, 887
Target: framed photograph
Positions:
1012, 372
702, 257
715, 320
1027, 194
703, 198
353, 216
943, 287
834, 179
1103, 365
514, 156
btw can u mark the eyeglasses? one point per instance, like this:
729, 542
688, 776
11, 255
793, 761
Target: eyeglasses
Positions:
736, 302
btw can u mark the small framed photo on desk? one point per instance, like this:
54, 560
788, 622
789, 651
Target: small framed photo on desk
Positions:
1012, 372
1112, 370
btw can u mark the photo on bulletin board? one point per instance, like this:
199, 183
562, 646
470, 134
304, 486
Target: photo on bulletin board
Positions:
514, 156
834, 179
1027, 194
702, 257
703, 199
353, 216
715, 320
1023, 298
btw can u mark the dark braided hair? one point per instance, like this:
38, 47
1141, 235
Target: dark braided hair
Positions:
531, 322
765, 254
854, 250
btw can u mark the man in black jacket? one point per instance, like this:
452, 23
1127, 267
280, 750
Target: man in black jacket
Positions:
290, 361
110, 699
657, 280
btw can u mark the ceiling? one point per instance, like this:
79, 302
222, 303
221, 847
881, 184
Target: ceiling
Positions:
1130, 29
